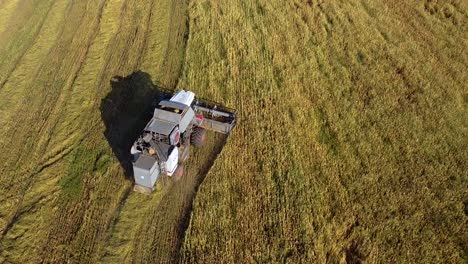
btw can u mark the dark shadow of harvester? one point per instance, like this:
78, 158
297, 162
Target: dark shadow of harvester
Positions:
134, 101
125, 111
130, 112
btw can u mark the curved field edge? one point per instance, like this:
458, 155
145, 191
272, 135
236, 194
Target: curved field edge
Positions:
352, 134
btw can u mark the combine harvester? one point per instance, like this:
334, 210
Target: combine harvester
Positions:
178, 122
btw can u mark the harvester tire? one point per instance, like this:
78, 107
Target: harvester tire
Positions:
198, 136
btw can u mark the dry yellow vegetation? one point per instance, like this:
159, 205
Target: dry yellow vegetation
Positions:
351, 143
63, 193
352, 136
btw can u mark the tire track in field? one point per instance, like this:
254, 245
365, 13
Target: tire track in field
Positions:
63, 215
145, 39
29, 178
37, 52
175, 66
53, 99
173, 213
91, 233
159, 231
61, 102
107, 68
20, 244
25, 48
136, 216
84, 91
82, 225
139, 41
85, 239
36, 106
24, 96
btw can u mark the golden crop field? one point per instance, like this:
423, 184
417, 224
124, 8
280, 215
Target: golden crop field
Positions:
351, 144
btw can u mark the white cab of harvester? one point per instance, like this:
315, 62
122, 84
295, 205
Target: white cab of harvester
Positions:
177, 123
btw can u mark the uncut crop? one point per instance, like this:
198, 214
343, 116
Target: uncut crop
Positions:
352, 135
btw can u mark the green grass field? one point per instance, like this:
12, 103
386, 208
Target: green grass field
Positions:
351, 143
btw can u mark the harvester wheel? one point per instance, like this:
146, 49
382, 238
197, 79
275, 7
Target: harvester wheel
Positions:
198, 137
178, 173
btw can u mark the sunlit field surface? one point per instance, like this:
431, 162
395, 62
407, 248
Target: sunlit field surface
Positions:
351, 143
352, 138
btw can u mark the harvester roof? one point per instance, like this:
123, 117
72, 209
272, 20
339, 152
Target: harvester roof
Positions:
160, 126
